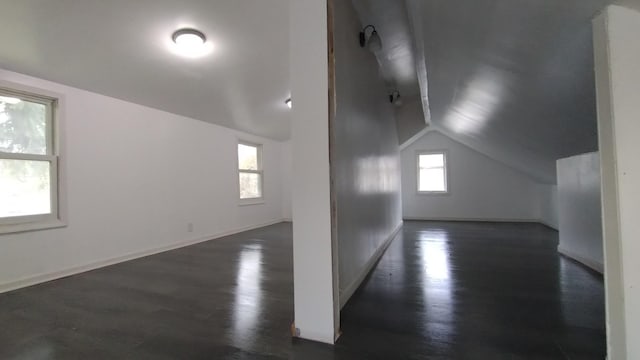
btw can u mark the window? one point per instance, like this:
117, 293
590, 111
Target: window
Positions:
28, 161
250, 171
432, 172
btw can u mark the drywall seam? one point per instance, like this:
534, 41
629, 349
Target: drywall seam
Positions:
346, 294
594, 265
45, 277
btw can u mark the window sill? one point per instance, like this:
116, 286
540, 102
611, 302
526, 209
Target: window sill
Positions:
249, 202
31, 226
434, 193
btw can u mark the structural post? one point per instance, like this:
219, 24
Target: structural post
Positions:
617, 55
316, 314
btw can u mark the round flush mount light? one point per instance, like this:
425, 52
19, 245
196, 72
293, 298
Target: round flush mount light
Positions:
288, 102
190, 43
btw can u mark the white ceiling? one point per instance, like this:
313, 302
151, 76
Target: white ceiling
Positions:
510, 78
120, 48
513, 77
399, 60
396, 58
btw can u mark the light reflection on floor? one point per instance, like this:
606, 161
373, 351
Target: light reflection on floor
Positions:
437, 278
248, 296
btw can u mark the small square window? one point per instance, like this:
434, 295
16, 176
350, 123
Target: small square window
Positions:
432, 172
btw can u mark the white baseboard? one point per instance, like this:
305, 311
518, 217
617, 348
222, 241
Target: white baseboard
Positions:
44, 277
411, 218
594, 265
346, 294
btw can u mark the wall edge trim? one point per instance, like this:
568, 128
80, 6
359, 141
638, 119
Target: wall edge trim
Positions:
75, 270
346, 294
539, 221
419, 135
593, 265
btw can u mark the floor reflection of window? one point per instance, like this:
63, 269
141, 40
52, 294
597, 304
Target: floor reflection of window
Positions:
435, 255
437, 280
248, 297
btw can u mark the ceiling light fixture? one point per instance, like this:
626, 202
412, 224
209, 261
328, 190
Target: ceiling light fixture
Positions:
288, 102
395, 99
374, 43
190, 43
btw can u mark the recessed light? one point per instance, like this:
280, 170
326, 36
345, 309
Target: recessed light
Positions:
190, 43
288, 102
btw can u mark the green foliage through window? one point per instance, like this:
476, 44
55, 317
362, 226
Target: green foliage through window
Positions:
25, 183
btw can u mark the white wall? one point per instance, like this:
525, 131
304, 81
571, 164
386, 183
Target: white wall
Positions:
617, 55
480, 188
548, 205
315, 288
287, 173
135, 178
410, 120
365, 156
579, 209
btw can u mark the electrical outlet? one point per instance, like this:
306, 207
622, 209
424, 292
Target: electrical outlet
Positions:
189, 227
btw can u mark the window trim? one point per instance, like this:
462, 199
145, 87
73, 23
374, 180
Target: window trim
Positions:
55, 105
447, 175
260, 171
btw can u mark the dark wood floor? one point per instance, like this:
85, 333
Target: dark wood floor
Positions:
441, 291
477, 291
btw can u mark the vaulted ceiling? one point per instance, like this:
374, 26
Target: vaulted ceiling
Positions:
511, 78
120, 48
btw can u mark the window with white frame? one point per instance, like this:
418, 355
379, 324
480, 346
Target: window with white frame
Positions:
28, 161
250, 171
432, 172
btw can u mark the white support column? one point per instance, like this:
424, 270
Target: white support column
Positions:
315, 307
617, 60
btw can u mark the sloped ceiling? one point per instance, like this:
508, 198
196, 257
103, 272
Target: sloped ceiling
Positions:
512, 79
396, 58
120, 48
400, 66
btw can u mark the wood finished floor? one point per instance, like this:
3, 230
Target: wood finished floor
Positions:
441, 291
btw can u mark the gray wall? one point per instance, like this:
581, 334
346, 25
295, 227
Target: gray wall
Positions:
579, 209
480, 188
366, 155
410, 120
